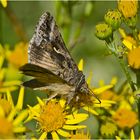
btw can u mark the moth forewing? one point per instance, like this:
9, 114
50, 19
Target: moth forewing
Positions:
52, 66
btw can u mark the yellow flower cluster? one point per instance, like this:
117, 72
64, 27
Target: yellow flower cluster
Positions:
133, 53
12, 116
128, 8
125, 118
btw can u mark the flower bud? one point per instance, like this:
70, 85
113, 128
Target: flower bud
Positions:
103, 31
113, 18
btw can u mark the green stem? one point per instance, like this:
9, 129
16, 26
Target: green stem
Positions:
135, 34
123, 65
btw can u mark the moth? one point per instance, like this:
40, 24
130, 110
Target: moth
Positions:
52, 66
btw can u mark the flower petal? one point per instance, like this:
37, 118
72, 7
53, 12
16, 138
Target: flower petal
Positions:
41, 103
102, 89
122, 32
80, 65
2, 114
20, 117
9, 98
63, 133
19, 129
75, 121
128, 44
55, 135
4, 3
77, 116
1, 64
12, 83
74, 127
5, 89
104, 103
12, 114
43, 136
19, 104
118, 138
2, 72
132, 135
62, 102
89, 109
33, 111
114, 81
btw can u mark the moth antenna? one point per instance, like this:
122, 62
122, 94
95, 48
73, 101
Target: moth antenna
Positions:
91, 92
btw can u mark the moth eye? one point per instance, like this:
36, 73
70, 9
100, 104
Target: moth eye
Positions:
64, 63
82, 89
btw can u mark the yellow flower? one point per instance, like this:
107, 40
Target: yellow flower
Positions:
128, 8
133, 54
5, 105
125, 118
6, 82
8, 85
4, 3
128, 41
6, 131
134, 58
108, 129
80, 65
80, 135
12, 116
109, 95
52, 118
18, 57
132, 136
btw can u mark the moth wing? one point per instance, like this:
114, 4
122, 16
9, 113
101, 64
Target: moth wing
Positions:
34, 83
43, 76
47, 50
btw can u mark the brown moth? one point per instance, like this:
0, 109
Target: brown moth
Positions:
52, 66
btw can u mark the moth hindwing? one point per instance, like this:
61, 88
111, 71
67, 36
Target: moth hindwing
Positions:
52, 66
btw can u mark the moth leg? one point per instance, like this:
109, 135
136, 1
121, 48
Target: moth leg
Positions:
51, 96
70, 97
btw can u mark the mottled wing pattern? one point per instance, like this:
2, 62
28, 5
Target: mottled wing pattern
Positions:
47, 50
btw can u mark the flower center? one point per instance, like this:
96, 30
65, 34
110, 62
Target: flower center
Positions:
52, 117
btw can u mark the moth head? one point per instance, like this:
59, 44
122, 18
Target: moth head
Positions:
81, 99
84, 88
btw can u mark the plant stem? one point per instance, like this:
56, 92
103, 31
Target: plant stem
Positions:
123, 65
135, 34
